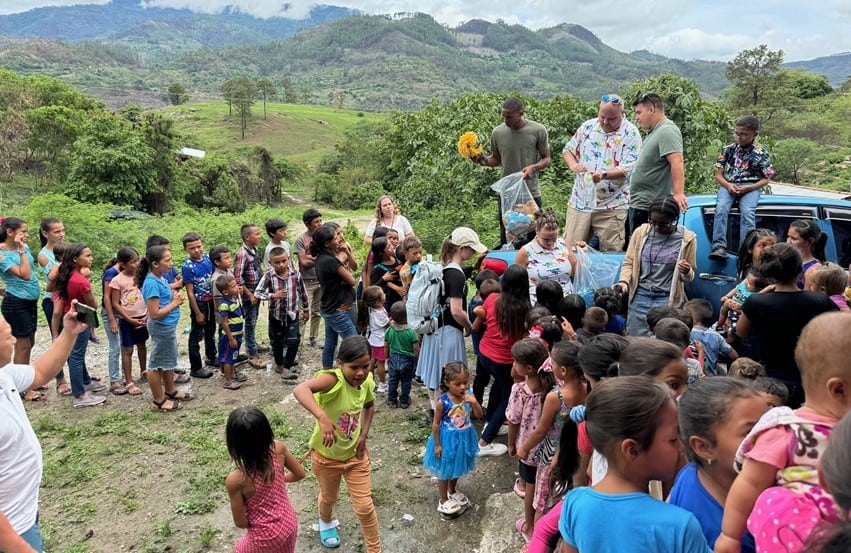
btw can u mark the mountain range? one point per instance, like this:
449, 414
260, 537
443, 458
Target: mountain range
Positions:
124, 52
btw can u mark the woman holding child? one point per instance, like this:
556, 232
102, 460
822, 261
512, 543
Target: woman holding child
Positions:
775, 319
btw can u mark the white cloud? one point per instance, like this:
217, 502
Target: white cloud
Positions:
708, 29
695, 43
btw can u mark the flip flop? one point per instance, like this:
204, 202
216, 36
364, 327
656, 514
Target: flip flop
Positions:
117, 389
330, 538
132, 389
182, 379
160, 406
64, 389
520, 488
519, 527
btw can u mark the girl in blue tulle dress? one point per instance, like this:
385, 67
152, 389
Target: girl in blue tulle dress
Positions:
453, 445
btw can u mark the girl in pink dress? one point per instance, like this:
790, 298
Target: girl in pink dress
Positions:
257, 488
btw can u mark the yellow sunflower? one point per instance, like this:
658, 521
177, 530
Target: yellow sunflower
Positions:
468, 145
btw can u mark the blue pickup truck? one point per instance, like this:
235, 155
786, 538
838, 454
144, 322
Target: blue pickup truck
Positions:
715, 278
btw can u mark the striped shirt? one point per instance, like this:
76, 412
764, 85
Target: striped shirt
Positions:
247, 268
230, 311
286, 308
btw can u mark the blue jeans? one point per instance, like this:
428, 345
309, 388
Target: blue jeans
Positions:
33, 537
206, 332
747, 215
636, 218
77, 365
281, 335
337, 324
400, 372
250, 312
499, 394
636, 319
114, 341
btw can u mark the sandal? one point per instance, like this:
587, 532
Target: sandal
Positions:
459, 498
177, 394
330, 538
231, 385
519, 526
117, 388
64, 389
520, 488
161, 405
143, 377
36, 396
449, 508
132, 389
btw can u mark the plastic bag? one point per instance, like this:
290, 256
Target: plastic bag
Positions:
518, 206
594, 270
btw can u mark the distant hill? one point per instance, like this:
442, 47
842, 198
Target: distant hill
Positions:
122, 53
837, 68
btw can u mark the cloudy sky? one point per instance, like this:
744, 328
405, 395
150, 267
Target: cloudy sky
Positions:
689, 29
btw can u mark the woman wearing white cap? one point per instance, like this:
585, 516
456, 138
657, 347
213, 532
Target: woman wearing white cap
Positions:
447, 342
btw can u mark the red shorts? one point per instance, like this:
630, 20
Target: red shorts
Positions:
378, 353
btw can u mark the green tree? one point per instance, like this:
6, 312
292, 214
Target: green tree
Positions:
705, 125
14, 134
791, 155
229, 92
266, 90
54, 128
290, 95
339, 98
806, 85
177, 94
111, 163
753, 72
242, 92
159, 134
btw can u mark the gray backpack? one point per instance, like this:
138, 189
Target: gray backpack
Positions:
423, 304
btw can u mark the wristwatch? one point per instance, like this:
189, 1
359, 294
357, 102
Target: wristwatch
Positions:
605, 175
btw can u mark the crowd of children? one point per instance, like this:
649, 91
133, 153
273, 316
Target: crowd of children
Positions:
684, 443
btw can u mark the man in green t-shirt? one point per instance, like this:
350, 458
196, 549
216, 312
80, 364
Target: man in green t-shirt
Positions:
518, 145
659, 170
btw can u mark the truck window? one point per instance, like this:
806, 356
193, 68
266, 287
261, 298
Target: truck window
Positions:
773, 217
840, 222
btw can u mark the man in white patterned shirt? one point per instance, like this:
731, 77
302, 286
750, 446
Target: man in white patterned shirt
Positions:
602, 153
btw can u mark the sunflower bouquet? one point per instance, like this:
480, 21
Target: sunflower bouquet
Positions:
469, 145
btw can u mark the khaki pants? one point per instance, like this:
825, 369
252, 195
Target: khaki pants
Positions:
607, 224
314, 296
357, 474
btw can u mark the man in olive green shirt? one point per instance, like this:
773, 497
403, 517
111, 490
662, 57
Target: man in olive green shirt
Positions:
518, 145
659, 170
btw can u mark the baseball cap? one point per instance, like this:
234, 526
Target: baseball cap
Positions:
465, 236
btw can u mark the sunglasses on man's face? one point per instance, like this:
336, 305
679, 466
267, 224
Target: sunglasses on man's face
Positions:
613, 99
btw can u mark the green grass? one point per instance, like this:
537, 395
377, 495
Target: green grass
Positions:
298, 132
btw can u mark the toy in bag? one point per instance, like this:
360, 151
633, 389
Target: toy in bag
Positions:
423, 301
518, 206
591, 275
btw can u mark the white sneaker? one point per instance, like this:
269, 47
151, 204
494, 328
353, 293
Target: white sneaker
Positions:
492, 449
381, 388
87, 400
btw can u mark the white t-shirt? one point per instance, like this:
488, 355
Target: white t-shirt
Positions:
400, 225
20, 452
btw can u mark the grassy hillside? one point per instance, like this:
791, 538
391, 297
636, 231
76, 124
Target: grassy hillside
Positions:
297, 132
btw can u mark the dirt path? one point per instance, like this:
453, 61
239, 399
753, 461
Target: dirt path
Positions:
120, 478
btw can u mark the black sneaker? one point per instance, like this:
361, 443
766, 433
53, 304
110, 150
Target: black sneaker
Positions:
718, 254
392, 404
214, 363
201, 373
242, 358
404, 405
